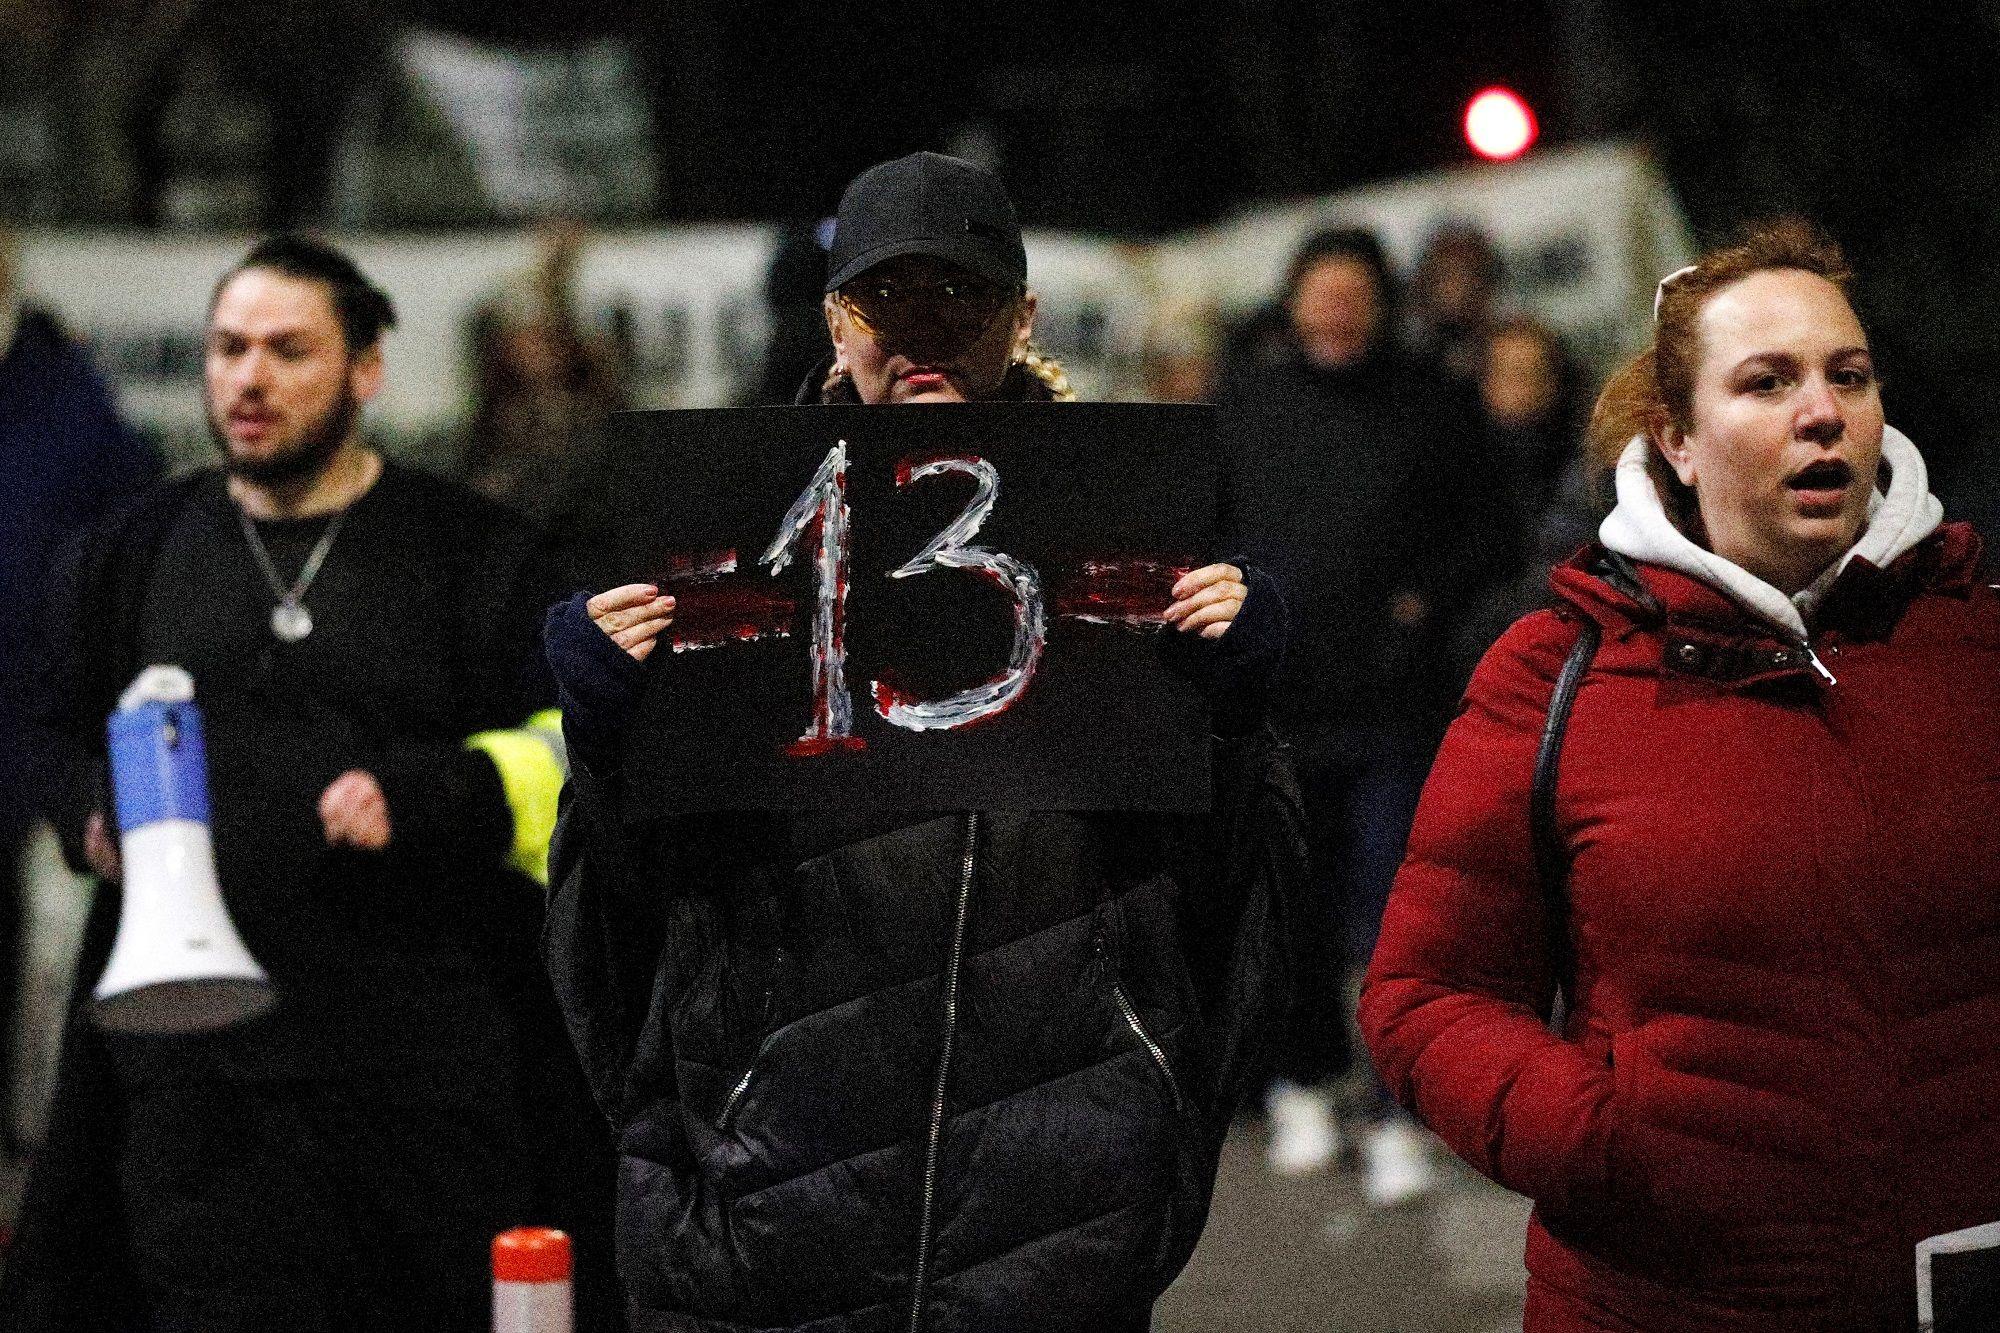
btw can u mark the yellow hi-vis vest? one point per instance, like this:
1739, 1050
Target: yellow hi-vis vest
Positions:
533, 766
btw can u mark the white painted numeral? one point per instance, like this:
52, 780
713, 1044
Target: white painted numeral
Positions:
950, 549
823, 503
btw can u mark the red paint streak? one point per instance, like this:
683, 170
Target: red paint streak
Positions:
809, 747
698, 567
1134, 592
727, 610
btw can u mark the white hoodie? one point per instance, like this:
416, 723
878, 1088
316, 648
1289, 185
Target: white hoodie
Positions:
1639, 529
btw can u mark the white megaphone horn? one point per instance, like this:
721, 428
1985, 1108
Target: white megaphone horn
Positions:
178, 965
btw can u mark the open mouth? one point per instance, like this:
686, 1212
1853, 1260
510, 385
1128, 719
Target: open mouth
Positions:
1828, 474
1820, 489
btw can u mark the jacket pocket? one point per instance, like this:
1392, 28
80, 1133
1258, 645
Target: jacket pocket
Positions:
1654, 1233
1153, 1048
1188, 1167
1622, 1180
1656, 1172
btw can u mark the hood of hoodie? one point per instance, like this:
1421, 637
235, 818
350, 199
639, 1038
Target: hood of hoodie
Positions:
1639, 529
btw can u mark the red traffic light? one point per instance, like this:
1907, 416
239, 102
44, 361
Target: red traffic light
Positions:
1499, 125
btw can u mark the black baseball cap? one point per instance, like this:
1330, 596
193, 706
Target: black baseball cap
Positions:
927, 204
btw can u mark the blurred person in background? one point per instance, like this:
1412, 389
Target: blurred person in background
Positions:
793, 296
1179, 362
1762, 875
1546, 497
1453, 292
1353, 481
363, 643
68, 459
543, 386
302, 62
1527, 396
1091, 993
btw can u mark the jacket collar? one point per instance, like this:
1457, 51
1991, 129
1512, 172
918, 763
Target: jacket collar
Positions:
1704, 632
1640, 529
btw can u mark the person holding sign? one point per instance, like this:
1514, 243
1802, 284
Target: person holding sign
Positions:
1734, 799
884, 1069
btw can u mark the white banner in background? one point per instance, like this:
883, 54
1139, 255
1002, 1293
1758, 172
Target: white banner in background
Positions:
552, 130
692, 300
1585, 233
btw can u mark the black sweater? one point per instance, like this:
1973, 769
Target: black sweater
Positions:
1352, 488
425, 616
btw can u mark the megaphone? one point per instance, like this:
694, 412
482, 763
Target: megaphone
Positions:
177, 966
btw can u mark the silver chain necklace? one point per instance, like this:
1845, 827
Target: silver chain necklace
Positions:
290, 620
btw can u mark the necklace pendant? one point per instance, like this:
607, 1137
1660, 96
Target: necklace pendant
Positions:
290, 621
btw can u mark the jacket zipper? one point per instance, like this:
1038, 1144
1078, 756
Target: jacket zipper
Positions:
935, 1145
735, 1095
1153, 1048
1812, 659
743, 1084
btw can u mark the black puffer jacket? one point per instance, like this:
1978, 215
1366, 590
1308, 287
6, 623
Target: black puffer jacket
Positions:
951, 1072
971, 1073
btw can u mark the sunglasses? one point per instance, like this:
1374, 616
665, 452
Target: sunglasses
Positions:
932, 320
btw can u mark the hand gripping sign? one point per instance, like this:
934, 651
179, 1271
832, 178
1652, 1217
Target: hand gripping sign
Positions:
916, 607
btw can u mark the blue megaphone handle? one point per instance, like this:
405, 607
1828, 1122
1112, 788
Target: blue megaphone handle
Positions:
159, 764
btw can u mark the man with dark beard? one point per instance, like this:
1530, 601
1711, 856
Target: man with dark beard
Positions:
362, 639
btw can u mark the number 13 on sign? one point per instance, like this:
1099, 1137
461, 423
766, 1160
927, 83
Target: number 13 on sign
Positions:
823, 506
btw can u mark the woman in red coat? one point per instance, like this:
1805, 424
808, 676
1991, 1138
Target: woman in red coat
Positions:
1776, 905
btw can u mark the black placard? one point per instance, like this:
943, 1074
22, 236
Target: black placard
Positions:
1096, 507
1958, 1281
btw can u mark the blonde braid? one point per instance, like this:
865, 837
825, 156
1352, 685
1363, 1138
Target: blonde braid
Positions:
1050, 372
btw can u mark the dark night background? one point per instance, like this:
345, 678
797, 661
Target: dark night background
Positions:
1139, 119
1879, 121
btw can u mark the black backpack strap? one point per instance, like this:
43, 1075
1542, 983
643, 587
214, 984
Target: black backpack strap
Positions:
1550, 862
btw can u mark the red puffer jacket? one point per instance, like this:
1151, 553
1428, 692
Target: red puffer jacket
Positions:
1781, 1066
